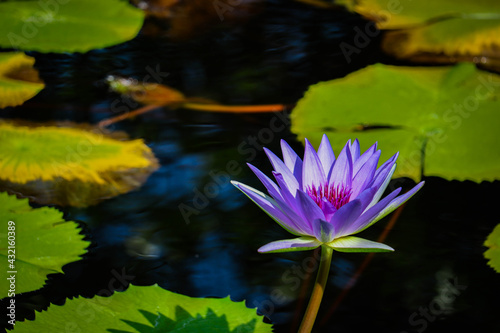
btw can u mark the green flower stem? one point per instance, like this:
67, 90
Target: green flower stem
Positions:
318, 291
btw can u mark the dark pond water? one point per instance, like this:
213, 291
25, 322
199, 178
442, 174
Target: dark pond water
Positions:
436, 281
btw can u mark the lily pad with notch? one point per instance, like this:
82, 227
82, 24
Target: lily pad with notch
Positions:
443, 121
146, 310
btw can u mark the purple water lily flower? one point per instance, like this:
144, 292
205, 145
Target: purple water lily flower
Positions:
324, 200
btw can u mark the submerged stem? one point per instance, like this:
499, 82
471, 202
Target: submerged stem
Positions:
199, 107
144, 109
318, 291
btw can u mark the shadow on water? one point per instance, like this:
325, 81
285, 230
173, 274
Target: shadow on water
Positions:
190, 231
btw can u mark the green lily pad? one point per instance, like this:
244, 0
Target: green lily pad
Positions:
493, 253
147, 309
443, 120
42, 244
67, 26
19, 81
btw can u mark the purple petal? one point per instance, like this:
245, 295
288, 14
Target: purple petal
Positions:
395, 203
326, 155
292, 161
356, 244
328, 209
355, 150
289, 245
268, 205
312, 171
366, 197
285, 193
345, 217
303, 226
363, 158
271, 187
281, 168
310, 210
381, 184
323, 231
367, 217
291, 207
387, 164
365, 175
342, 169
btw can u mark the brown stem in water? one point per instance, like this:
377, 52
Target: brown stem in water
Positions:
234, 108
198, 107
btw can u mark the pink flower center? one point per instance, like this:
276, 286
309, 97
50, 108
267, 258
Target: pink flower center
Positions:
336, 195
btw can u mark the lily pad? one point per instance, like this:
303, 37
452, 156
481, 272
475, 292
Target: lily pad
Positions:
443, 120
403, 14
70, 166
443, 27
42, 243
67, 26
145, 92
493, 253
147, 309
19, 81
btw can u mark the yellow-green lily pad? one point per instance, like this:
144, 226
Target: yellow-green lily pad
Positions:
18, 79
70, 166
442, 27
